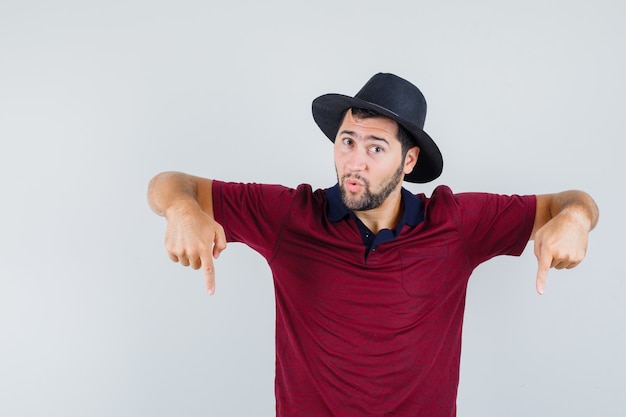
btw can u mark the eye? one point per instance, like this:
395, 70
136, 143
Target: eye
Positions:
376, 149
347, 141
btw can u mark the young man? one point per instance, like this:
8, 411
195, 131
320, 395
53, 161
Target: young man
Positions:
369, 279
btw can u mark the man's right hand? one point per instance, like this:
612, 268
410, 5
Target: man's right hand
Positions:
194, 238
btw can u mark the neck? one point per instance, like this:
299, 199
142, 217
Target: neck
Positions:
385, 216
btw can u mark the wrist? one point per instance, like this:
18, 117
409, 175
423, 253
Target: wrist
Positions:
580, 215
181, 207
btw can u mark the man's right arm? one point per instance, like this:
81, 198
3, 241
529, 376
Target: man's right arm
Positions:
192, 237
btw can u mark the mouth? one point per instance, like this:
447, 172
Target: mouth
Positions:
353, 184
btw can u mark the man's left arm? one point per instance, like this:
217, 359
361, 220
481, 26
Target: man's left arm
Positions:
561, 230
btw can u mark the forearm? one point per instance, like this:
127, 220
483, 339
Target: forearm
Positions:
176, 190
577, 203
577, 206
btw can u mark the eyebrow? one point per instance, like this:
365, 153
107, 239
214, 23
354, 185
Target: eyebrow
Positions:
351, 133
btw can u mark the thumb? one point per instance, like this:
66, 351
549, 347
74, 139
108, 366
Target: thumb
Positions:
219, 244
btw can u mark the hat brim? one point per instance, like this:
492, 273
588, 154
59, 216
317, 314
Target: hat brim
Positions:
329, 109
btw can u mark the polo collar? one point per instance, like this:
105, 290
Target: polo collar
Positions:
412, 215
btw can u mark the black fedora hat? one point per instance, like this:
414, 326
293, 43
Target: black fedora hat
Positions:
393, 97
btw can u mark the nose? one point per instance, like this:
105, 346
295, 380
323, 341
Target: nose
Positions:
356, 161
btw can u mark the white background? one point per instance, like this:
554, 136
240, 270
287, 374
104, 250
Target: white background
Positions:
97, 97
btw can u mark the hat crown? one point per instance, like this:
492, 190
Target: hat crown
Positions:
396, 95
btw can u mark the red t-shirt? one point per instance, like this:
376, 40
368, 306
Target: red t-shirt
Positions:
377, 335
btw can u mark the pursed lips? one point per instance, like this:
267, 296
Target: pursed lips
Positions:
353, 182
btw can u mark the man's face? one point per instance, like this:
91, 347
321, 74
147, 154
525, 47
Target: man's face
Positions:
368, 160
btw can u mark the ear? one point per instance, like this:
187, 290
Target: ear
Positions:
411, 159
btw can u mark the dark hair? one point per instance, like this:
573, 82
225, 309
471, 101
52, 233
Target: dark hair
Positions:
405, 138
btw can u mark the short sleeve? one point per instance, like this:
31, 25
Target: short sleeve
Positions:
494, 224
252, 213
